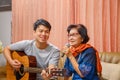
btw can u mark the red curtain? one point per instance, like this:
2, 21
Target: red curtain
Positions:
101, 17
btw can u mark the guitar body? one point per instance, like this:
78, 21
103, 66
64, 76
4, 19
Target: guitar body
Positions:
27, 61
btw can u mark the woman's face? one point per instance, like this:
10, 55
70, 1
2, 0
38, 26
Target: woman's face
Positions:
74, 38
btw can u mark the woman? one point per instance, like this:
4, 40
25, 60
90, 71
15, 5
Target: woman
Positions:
82, 62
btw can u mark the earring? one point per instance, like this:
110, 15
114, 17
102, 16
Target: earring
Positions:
81, 40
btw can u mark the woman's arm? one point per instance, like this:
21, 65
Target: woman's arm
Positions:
75, 65
74, 62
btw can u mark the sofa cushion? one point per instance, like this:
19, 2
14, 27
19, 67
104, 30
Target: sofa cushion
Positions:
110, 71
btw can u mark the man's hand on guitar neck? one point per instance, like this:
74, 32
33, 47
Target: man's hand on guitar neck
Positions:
15, 64
45, 75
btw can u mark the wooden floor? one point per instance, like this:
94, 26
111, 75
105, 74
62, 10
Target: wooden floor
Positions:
2, 73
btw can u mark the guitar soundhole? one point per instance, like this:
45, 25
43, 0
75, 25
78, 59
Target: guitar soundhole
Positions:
19, 74
22, 70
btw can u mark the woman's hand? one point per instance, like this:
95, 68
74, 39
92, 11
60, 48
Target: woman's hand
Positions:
66, 51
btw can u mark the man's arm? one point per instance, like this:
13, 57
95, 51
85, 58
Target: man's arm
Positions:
14, 63
53, 62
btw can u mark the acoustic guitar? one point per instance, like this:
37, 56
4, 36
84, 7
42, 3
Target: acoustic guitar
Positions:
28, 68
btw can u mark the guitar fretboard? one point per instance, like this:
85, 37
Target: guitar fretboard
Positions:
53, 72
32, 70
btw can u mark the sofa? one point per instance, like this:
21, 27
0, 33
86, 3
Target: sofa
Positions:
110, 66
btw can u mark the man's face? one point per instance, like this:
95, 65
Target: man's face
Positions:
42, 34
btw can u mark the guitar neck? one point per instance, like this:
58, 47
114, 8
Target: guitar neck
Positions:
32, 70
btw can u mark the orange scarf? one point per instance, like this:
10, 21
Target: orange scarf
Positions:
76, 51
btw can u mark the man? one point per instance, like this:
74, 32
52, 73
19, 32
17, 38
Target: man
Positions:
47, 55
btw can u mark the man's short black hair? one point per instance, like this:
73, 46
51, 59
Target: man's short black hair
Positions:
41, 22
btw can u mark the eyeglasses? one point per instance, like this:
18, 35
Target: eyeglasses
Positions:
73, 34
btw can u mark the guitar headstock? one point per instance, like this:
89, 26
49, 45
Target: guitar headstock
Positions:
58, 72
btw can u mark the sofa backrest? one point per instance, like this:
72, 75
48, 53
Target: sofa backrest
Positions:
110, 57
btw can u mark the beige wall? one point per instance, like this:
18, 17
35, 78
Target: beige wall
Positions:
5, 31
